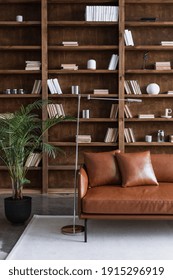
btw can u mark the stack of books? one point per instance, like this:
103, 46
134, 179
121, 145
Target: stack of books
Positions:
128, 38
127, 112
71, 66
101, 13
111, 135
83, 139
114, 111
36, 87
55, 110
6, 115
113, 62
100, 91
33, 160
170, 92
132, 87
32, 65
70, 43
163, 65
167, 43
129, 135
54, 86
146, 116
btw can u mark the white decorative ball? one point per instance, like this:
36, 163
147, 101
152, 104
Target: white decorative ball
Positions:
153, 88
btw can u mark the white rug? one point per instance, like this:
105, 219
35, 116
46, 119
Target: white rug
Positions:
107, 240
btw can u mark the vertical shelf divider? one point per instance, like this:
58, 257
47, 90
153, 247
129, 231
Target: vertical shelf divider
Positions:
121, 75
44, 88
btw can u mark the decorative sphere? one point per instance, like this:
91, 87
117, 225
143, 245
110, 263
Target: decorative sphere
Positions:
153, 88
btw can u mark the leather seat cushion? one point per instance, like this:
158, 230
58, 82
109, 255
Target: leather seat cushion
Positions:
134, 200
163, 167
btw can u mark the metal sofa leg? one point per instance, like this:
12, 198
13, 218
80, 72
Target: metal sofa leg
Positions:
85, 232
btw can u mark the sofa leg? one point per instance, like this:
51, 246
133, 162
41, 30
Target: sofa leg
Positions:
85, 232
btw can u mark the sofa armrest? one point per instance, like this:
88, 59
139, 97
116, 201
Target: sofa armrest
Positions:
83, 182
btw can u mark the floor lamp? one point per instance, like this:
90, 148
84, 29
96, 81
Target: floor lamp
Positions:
74, 228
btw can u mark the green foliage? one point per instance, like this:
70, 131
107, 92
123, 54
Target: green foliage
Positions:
21, 134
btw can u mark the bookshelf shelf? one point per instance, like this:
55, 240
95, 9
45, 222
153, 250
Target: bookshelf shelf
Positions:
83, 48
145, 71
92, 144
149, 120
19, 72
149, 24
143, 95
81, 23
83, 71
19, 48
16, 96
149, 48
151, 144
20, 24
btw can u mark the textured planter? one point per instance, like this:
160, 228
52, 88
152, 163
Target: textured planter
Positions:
17, 211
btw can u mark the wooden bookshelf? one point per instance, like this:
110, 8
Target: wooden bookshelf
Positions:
46, 25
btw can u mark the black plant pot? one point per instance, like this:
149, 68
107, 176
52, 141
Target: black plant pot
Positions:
17, 211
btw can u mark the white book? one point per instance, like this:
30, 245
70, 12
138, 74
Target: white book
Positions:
51, 89
57, 86
113, 62
126, 37
131, 38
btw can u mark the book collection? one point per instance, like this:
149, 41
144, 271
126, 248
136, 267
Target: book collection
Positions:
101, 13
111, 135
70, 43
170, 92
55, 110
33, 160
70, 66
83, 138
128, 38
100, 91
113, 62
163, 65
54, 86
146, 116
129, 135
114, 111
32, 65
36, 87
167, 43
132, 87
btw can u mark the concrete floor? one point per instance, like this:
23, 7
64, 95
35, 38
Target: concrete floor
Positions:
41, 205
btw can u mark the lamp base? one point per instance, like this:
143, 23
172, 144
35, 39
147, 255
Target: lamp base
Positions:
72, 230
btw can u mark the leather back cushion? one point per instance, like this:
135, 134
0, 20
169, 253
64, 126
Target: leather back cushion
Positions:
136, 169
102, 168
163, 166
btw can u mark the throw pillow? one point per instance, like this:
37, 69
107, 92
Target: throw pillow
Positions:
136, 169
102, 168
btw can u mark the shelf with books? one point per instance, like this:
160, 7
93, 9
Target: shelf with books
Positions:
83, 48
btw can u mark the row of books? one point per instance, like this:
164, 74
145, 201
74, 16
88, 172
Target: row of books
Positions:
69, 66
37, 87
113, 62
33, 160
70, 43
55, 110
129, 135
132, 87
54, 86
163, 65
128, 38
100, 91
32, 65
101, 13
111, 135
146, 116
114, 111
83, 138
167, 43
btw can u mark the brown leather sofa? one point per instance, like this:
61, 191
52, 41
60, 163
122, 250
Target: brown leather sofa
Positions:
124, 188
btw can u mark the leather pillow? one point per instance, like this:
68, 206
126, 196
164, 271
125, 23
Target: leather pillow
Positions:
102, 168
136, 169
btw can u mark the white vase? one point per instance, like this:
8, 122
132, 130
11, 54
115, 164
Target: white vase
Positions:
153, 88
91, 64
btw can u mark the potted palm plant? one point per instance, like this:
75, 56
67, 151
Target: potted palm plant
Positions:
21, 133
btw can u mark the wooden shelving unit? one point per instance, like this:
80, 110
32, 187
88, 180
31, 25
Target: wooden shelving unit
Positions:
39, 37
